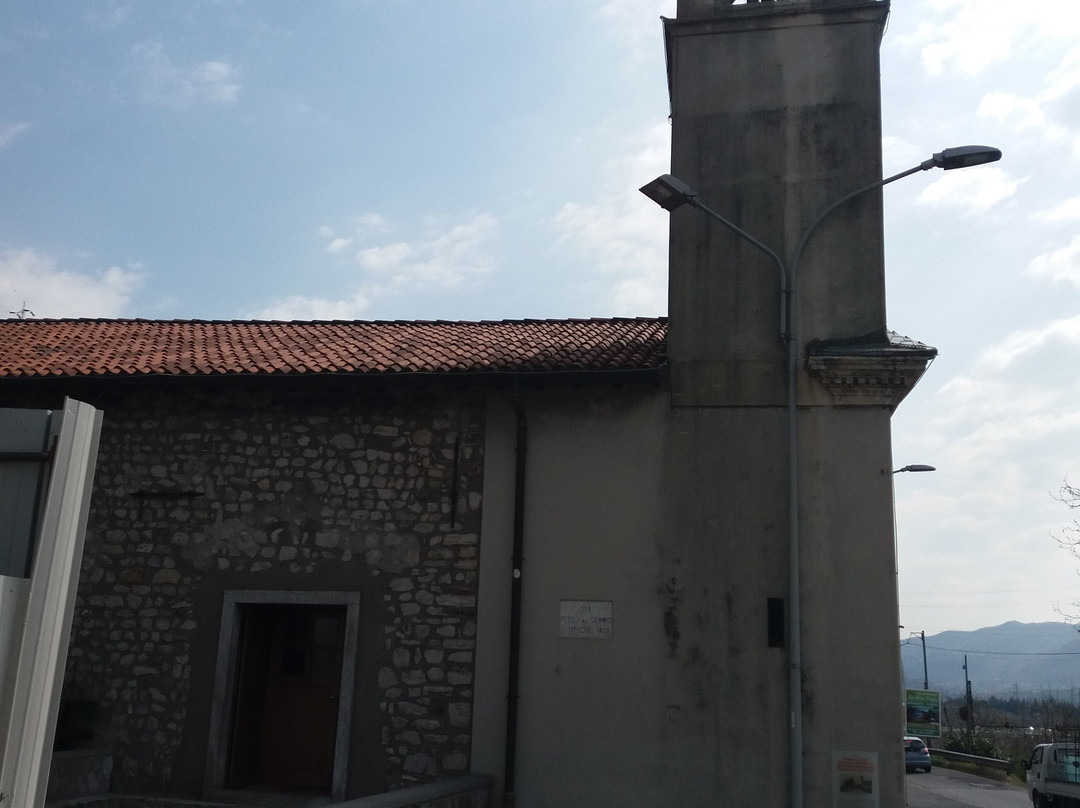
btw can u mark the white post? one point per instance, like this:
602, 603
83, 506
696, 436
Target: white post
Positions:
38, 669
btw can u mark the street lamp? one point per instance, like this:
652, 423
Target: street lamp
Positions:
915, 467
670, 193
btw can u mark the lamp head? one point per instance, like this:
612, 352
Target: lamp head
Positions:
669, 192
963, 157
916, 467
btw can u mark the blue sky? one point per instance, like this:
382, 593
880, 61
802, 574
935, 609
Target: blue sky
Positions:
223, 159
338, 159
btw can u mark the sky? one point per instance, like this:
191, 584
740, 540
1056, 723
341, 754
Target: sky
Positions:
365, 159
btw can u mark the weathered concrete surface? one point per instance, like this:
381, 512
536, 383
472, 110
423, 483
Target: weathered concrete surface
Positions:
775, 114
674, 507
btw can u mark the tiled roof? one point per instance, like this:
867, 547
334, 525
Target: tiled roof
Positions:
129, 348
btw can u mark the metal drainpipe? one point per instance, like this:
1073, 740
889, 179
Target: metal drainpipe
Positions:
509, 796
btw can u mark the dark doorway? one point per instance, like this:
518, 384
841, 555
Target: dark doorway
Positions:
285, 705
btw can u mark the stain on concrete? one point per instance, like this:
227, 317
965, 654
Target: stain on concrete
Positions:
671, 593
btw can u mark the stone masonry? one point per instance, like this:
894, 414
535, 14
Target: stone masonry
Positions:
363, 488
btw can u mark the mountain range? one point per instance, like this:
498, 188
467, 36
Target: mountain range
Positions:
1022, 660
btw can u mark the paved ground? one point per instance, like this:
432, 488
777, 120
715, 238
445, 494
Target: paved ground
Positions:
944, 788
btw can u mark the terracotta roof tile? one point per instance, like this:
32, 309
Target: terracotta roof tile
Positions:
119, 348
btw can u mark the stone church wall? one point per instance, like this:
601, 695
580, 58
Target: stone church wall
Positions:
359, 489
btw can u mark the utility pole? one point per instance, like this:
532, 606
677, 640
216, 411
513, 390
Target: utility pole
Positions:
970, 711
925, 677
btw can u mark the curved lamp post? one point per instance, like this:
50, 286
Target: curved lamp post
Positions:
670, 193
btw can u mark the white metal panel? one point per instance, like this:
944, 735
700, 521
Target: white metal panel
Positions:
53, 581
14, 593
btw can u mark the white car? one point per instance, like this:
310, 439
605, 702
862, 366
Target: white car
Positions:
916, 755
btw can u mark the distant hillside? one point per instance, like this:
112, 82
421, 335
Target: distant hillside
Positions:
1023, 659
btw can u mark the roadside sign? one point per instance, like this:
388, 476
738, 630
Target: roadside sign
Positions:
923, 710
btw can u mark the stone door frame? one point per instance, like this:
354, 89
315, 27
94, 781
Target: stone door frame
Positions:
221, 708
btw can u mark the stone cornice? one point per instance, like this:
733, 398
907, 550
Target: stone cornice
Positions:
861, 379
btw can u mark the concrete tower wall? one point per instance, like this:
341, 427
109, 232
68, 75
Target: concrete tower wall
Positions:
775, 114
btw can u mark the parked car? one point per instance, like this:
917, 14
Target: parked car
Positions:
916, 755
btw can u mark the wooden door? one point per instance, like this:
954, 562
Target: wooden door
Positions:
285, 722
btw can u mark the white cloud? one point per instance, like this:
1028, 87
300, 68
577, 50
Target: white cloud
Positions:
968, 37
447, 256
362, 227
1059, 265
1003, 429
1063, 81
1019, 390
31, 279
380, 259
1029, 53
968, 42
638, 22
898, 153
215, 81
972, 191
626, 237
445, 259
622, 232
1049, 112
371, 221
297, 307
107, 15
1002, 434
1063, 212
10, 131
1021, 345
1020, 113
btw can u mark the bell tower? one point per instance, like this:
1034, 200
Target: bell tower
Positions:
776, 113
782, 506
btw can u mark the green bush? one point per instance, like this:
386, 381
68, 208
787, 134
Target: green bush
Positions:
980, 744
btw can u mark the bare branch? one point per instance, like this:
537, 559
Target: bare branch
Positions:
1069, 539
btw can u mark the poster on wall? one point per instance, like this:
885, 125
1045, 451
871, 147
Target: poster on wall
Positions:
855, 780
586, 619
923, 710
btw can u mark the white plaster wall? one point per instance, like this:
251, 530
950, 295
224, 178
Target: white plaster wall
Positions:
678, 517
589, 716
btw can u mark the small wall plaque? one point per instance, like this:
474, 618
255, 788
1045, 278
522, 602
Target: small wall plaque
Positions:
586, 619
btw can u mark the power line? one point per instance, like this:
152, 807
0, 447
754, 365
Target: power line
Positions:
991, 605
1074, 589
995, 653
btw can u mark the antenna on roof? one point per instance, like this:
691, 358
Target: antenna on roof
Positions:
21, 313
